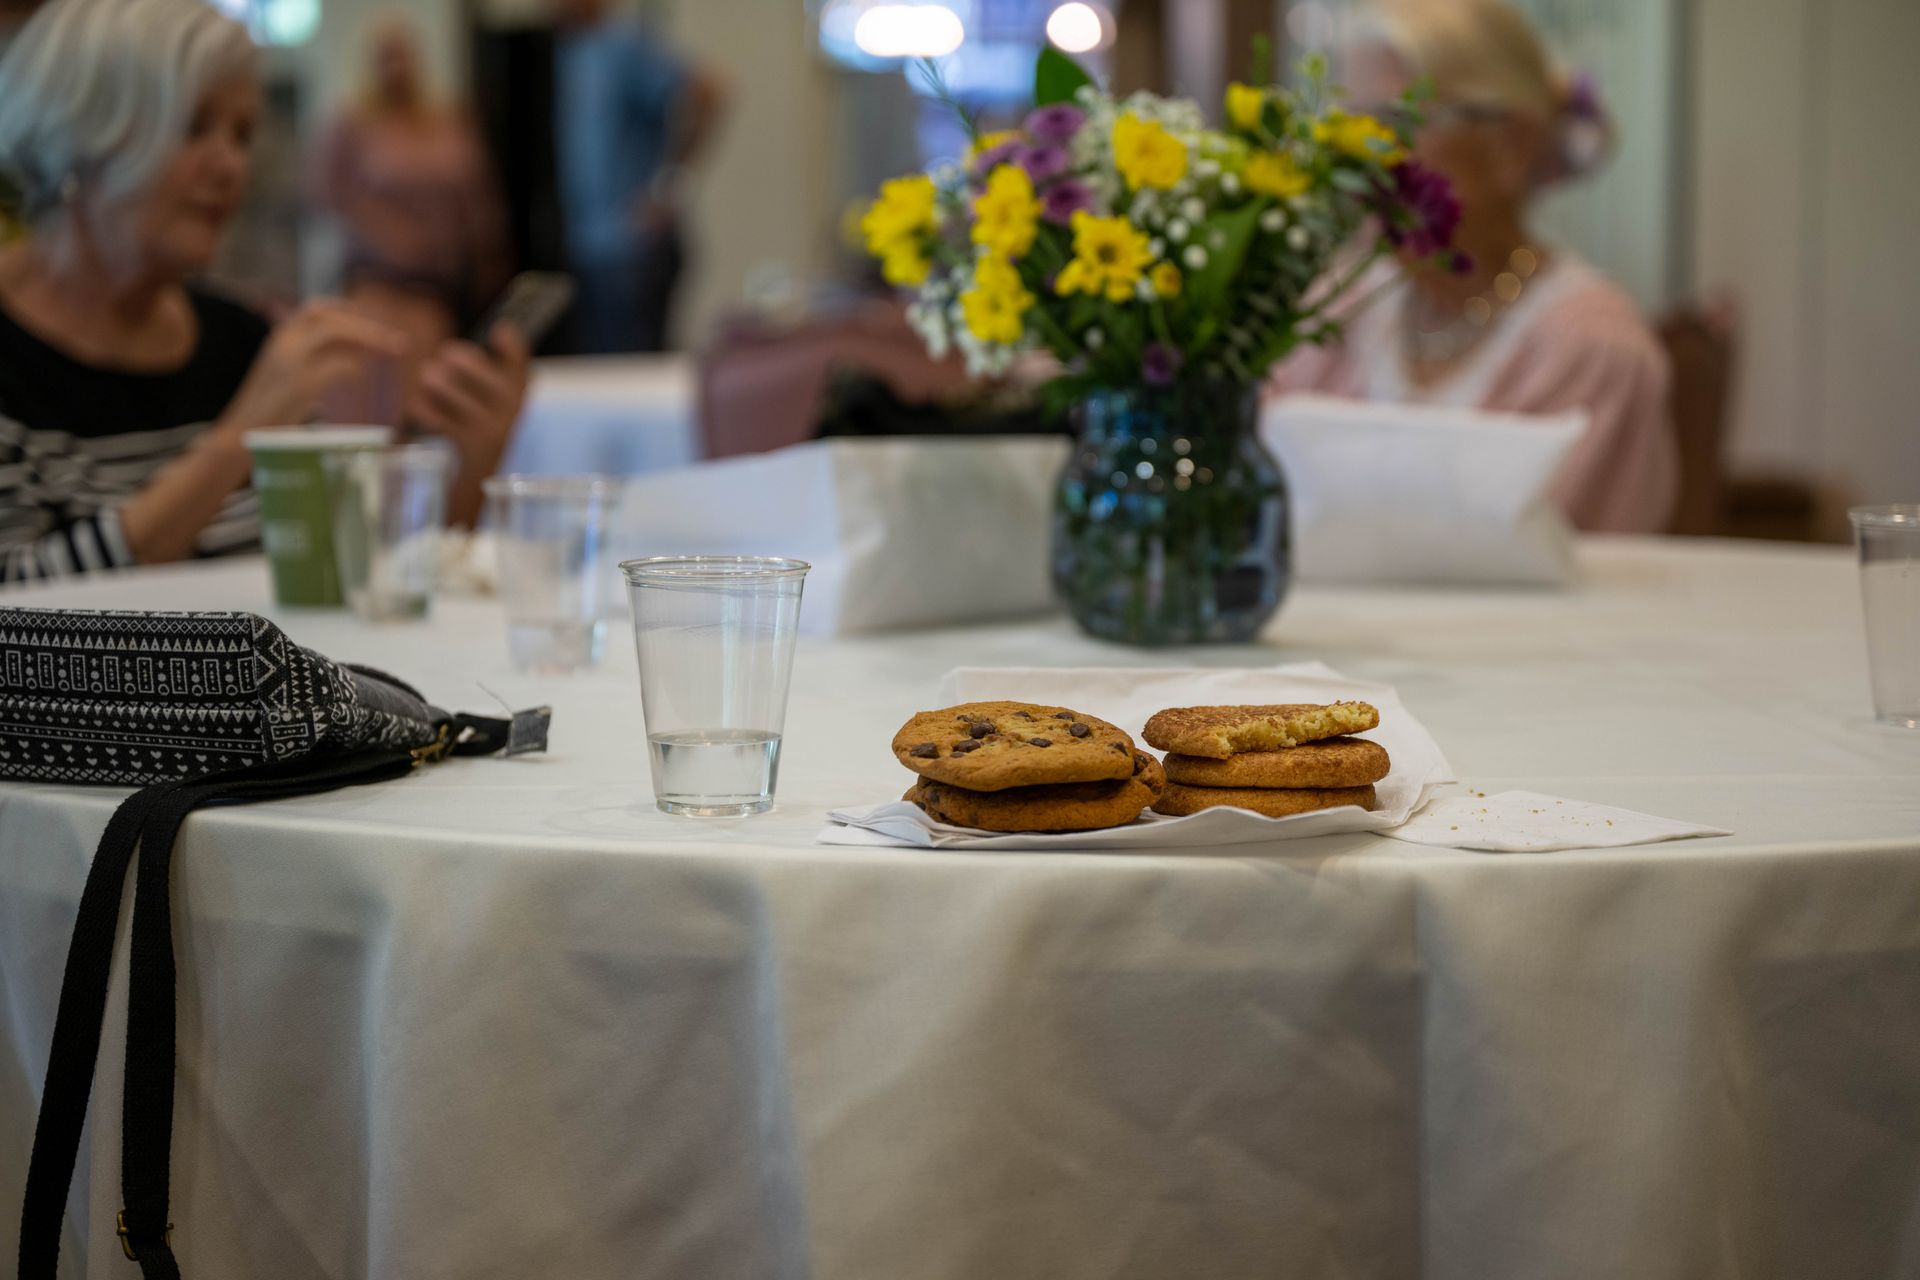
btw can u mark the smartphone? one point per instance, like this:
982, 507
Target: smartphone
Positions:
533, 303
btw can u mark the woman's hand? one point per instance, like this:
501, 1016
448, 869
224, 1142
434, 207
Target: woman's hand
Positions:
473, 398
308, 353
315, 349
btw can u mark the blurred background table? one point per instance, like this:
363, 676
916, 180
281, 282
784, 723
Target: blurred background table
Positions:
613, 415
505, 1019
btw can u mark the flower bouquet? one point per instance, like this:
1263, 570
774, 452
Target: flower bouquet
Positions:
1166, 265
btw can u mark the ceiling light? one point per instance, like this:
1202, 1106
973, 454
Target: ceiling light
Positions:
909, 31
1077, 28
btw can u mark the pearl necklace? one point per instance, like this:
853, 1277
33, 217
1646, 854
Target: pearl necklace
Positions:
1454, 336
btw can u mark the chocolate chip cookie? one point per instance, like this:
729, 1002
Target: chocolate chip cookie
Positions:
992, 746
1065, 806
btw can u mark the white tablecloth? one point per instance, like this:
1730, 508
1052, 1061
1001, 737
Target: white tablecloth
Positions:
503, 1019
613, 415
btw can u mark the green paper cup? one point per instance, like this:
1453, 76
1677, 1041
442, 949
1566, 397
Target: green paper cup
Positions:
296, 505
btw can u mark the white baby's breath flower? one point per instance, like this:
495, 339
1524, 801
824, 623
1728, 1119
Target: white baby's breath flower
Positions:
930, 322
1230, 184
1177, 230
1194, 257
1273, 221
1299, 239
1216, 240
1193, 209
1157, 247
1094, 339
1204, 169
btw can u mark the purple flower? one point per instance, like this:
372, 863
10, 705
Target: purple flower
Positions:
995, 156
1160, 364
1042, 163
1064, 199
1055, 124
1420, 211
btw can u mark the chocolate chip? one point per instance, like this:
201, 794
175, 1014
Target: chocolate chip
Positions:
962, 748
1023, 715
925, 751
1078, 730
1039, 742
980, 729
1064, 715
1121, 747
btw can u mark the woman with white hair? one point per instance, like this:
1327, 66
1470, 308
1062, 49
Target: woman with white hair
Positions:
1527, 327
125, 391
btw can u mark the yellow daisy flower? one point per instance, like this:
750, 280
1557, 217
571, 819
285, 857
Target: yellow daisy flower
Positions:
1245, 102
1110, 256
1006, 213
996, 307
1146, 154
1273, 173
904, 264
1362, 137
903, 210
1165, 279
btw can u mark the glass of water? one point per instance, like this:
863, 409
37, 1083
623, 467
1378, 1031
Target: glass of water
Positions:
1889, 541
553, 565
715, 636
388, 509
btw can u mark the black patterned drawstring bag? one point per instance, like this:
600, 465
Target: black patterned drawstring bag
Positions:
194, 709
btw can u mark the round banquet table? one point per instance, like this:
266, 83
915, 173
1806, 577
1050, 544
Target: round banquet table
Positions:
504, 1019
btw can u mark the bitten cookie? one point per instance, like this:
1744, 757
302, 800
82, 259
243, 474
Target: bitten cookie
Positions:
1065, 806
1331, 762
991, 746
1218, 732
1178, 801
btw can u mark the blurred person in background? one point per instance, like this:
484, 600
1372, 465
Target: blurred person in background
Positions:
125, 391
1527, 327
409, 180
629, 119
12, 14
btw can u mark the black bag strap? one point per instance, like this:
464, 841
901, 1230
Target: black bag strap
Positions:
149, 820
76, 1037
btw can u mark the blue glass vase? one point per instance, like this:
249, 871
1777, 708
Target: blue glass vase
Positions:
1170, 522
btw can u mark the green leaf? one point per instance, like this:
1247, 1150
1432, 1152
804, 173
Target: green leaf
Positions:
1262, 60
1207, 288
1056, 78
1273, 118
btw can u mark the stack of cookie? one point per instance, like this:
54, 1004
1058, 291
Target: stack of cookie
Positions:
1021, 766
1273, 760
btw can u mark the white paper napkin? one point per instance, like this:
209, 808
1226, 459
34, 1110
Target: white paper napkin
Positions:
1127, 696
1528, 822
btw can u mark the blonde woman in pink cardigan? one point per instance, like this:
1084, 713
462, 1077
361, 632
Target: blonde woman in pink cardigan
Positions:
1527, 327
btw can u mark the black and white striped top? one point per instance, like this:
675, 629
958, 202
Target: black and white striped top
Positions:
77, 440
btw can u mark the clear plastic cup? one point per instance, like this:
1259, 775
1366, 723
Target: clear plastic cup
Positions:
389, 507
715, 635
1889, 542
554, 566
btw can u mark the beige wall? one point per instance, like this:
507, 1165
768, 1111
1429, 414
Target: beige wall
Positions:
763, 202
1803, 213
